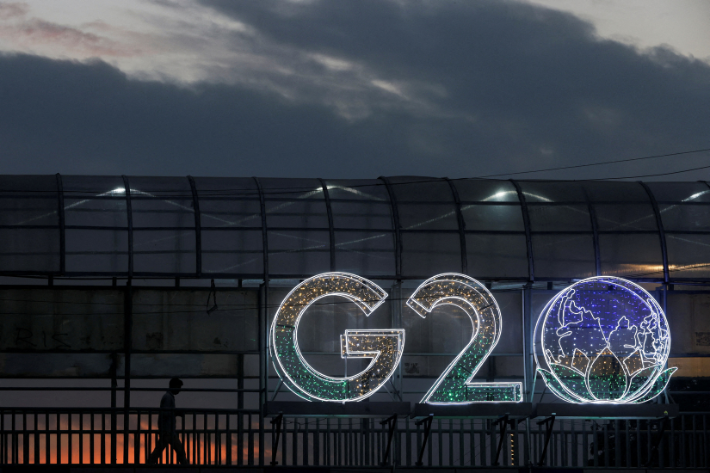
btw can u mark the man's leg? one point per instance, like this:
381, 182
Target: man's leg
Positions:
160, 445
178, 448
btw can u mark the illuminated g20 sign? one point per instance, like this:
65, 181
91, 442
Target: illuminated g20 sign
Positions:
610, 343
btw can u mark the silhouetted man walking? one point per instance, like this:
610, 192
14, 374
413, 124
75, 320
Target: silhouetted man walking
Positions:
166, 426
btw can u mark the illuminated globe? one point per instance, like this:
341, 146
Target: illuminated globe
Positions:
603, 340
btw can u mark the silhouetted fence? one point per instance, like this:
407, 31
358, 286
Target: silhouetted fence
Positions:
243, 437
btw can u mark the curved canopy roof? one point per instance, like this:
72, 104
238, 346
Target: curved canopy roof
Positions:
388, 228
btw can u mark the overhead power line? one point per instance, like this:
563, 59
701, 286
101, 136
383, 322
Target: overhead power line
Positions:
280, 191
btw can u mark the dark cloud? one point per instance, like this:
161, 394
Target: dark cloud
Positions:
491, 87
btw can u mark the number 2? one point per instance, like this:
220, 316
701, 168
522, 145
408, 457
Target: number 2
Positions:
455, 385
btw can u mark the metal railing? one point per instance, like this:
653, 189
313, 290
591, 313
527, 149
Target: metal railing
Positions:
243, 437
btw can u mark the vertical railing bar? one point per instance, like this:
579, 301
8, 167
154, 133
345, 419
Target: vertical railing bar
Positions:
81, 438
661, 231
648, 441
397, 228
440, 449
660, 449
137, 437
284, 442
198, 226
706, 442
25, 440
70, 439
617, 444
606, 445
294, 442
575, 453
37, 439
59, 438
229, 441
351, 443
526, 223
638, 443
628, 442
683, 453
471, 442
327, 460
695, 442
482, 437
595, 442
316, 443
240, 440
306, 443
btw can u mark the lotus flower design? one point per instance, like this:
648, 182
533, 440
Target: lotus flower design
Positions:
603, 340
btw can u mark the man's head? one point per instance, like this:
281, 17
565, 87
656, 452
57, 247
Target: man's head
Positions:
175, 385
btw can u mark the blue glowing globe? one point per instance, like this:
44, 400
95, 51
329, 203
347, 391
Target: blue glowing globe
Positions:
603, 340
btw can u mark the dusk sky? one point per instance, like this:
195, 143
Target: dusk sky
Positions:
354, 89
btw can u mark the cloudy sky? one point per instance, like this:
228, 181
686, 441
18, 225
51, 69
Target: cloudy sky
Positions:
354, 88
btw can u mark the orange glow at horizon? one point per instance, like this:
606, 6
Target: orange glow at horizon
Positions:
200, 446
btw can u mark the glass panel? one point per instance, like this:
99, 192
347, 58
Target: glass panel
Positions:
362, 215
428, 217
164, 251
28, 200
688, 256
232, 252
427, 254
563, 256
299, 253
427, 204
102, 251
636, 256
92, 186
679, 217
365, 253
228, 202
165, 365
295, 214
177, 320
160, 186
493, 217
615, 191
160, 212
161, 202
680, 191
369, 190
547, 218
499, 256
221, 212
40, 319
361, 204
29, 250
109, 212
421, 189
479, 190
551, 191
620, 217
56, 365
28, 210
